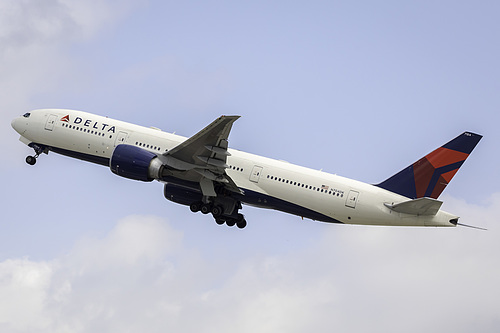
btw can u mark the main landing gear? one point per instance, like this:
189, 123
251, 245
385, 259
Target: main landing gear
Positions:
218, 214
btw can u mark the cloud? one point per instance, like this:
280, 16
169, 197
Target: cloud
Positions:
24, 290
35, 47
24, 23
142, 276
101, 280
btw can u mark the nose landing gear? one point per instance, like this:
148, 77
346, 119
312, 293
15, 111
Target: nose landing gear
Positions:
31, 160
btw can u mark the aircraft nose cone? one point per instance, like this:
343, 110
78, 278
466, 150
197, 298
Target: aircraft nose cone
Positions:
13, 124
16, 125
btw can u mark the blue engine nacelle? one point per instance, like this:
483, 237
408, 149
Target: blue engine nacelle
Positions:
181, 195
135, 163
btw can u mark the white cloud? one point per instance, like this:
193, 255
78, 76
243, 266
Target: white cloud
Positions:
136, 239
24, 289
35, 38
142, 276
51, 22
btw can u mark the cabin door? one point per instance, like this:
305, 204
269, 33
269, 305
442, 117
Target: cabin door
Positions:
255, 175
120, 138
49, 125
352, 198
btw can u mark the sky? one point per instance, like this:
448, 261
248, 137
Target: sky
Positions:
357, 88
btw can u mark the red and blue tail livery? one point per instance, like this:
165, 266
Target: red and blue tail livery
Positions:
429, 176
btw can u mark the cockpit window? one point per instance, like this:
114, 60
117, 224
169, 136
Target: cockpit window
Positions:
27, 115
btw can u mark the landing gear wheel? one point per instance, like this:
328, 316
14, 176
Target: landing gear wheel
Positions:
206, 208
241, 224
231, 222
217, 211
219, 221
31, 160
195, 206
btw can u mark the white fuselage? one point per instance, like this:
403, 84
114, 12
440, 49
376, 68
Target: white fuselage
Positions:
273, 184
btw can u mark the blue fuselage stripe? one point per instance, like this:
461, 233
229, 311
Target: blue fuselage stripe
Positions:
266, 201
81, 156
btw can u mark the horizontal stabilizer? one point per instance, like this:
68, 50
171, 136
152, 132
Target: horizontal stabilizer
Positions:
420, 206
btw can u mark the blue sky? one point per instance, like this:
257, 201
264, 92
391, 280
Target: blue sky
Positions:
360, 89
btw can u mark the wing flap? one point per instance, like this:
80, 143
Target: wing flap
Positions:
210, 142
203, 156
420, 206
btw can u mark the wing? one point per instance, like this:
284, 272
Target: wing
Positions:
202, 158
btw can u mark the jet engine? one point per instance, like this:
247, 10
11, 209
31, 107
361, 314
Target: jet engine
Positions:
135, 163
181, 195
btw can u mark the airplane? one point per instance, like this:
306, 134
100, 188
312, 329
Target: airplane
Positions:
202, 172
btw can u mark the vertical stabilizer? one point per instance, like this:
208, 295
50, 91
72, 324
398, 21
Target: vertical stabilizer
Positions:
429, 176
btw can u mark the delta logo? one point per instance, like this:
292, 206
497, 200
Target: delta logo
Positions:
90, 123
